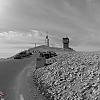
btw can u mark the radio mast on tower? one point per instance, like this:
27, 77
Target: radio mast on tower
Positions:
47, 41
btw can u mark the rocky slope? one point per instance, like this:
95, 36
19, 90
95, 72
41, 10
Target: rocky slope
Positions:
72, 76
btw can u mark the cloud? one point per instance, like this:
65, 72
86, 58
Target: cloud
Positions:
33, 36
29, 38
10, 34
58, 17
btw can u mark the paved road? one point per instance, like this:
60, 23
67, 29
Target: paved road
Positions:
27, 90
13, 75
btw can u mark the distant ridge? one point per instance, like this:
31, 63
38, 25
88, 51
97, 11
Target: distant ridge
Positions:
43, 48
46, 48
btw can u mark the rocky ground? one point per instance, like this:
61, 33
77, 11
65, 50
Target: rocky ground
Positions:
71, 76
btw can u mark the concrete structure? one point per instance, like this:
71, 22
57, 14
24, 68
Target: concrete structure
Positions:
40, 62
47, 41
66, 43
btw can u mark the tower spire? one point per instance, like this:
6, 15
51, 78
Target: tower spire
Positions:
47, 41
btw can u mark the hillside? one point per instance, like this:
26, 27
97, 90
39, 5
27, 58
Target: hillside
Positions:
46, 48
71, 76
41, 49
13, 73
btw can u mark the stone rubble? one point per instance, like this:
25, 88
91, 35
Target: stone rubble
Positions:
71, 76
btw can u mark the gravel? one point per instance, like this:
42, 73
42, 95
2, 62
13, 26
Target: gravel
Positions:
71, 76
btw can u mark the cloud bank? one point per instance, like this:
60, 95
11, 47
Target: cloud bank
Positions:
79, 19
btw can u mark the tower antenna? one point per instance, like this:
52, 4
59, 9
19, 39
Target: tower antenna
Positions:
47, 41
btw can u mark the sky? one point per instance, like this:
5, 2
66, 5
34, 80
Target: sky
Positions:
25, 22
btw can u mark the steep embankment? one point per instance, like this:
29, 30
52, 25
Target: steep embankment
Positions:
72, 76
55, 49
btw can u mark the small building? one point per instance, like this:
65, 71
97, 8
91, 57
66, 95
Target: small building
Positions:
66, 42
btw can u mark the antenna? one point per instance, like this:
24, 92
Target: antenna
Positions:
47, 41
35, 44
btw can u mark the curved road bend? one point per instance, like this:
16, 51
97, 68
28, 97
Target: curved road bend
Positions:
11, 71
26, 88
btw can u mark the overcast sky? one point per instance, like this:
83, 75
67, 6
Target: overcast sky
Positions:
79, 19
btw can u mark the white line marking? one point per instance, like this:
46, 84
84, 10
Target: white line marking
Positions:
21, 97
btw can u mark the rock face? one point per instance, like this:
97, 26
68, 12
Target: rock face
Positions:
41, 60
72, 76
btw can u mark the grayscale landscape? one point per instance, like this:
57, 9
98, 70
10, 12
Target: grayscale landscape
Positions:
49, 50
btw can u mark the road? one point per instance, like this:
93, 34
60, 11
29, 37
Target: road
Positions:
16, 79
